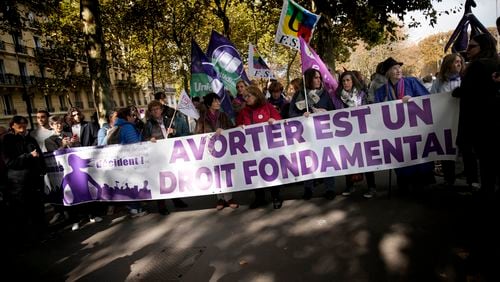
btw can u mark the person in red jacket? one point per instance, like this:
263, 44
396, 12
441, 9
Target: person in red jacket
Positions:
258, 110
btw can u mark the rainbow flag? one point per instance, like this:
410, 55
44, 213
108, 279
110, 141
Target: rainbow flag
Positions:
295, 22
257, 67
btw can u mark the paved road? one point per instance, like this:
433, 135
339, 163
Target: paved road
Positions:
432, 235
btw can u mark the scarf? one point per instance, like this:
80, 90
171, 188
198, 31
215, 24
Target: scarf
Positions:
313, 97
396, 92
212, 118
454, 77
351, 99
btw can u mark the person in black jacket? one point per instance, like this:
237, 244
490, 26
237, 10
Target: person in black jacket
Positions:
25, 168
479, 103
86, 131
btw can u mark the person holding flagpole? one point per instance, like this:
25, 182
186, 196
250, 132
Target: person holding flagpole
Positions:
317, 100
161, 126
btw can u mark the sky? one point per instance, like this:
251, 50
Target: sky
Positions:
486, 12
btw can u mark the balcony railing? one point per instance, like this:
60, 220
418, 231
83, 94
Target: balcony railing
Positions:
28, 80
9, 112
9, 79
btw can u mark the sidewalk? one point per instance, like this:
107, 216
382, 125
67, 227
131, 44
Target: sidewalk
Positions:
434, 235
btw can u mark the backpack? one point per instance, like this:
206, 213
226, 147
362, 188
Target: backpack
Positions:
113, 135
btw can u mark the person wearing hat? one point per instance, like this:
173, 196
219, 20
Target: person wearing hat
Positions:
399, 87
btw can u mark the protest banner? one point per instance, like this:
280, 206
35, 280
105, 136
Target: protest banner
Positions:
367, 138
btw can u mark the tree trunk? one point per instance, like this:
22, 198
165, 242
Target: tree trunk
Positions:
96, 57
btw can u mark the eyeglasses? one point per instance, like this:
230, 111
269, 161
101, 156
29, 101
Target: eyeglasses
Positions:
472, 46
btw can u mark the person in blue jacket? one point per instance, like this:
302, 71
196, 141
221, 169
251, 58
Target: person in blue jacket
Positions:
399, 87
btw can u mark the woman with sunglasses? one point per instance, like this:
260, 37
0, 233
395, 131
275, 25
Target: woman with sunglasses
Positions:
479, 104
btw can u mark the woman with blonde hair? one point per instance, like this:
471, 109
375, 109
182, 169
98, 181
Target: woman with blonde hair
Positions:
448, 78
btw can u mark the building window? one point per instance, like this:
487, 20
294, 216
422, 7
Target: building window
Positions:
2, 72
63, 103
90, 99
32, 102
24, 72
48, 104
78, 100
137, 99
8, 107
38, 44
120, 98
18, 43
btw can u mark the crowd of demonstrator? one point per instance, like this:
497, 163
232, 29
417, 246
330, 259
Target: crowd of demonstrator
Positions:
475, 83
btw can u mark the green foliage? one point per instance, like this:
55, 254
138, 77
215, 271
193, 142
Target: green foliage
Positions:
151, 38
64, 46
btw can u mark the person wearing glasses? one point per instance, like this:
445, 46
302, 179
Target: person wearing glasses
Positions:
479, 116
258, 110
84, 130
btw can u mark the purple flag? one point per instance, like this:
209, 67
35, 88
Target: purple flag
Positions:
460, 37
311, 60
205, 79
227, 61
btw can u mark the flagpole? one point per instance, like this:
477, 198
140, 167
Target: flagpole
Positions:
172, 120
304, 83
305, 92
